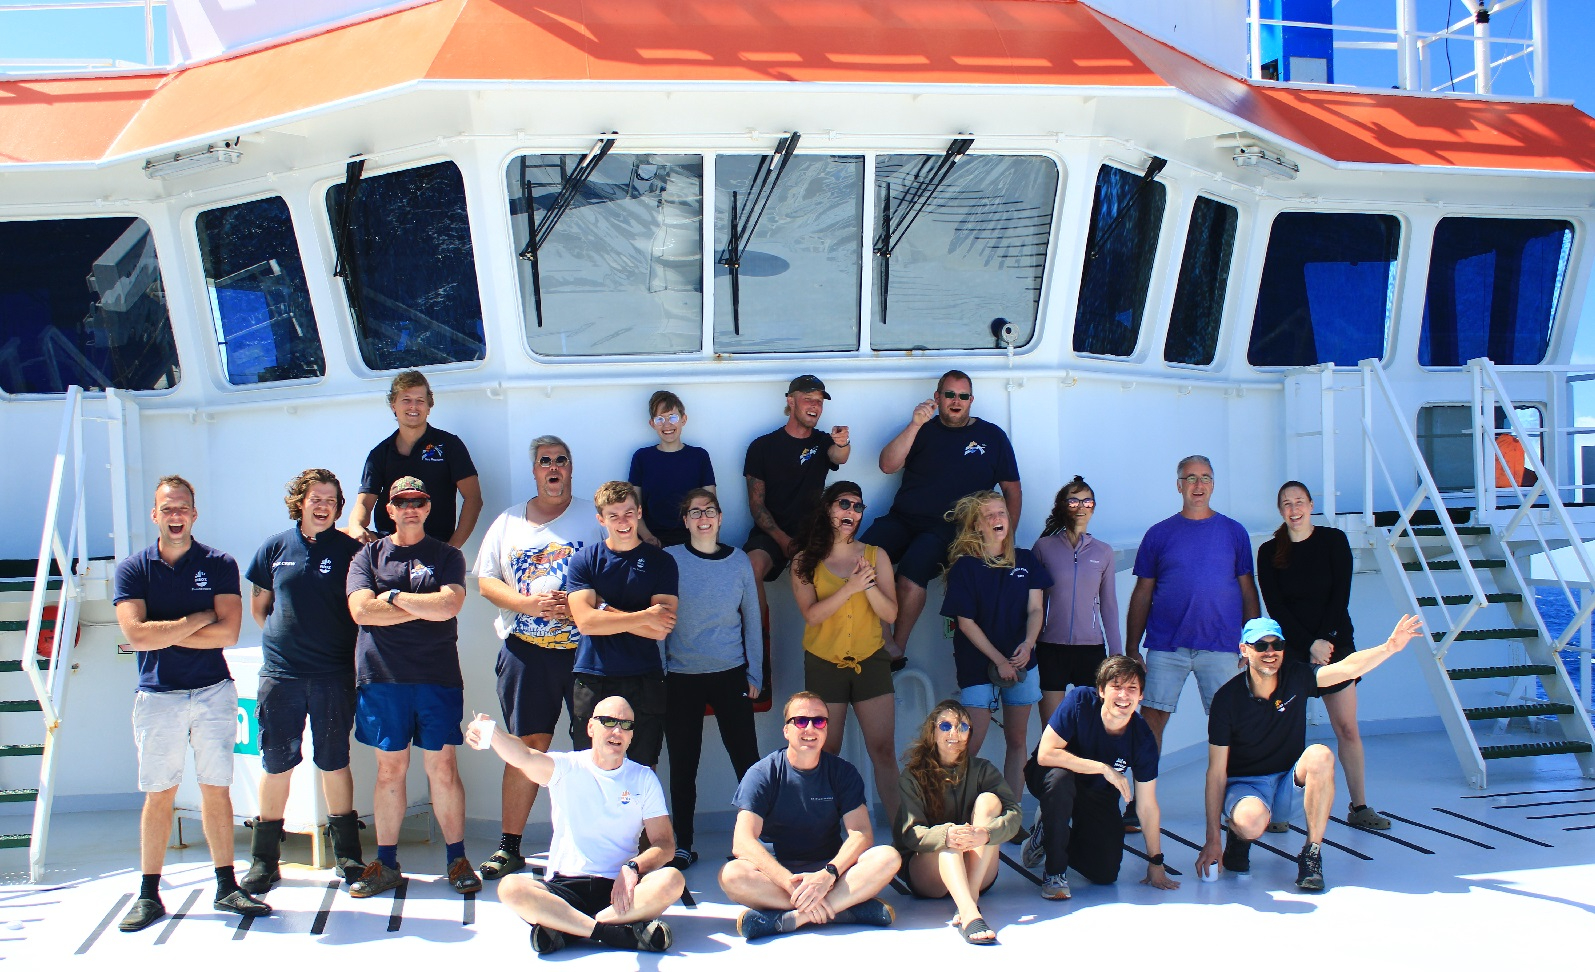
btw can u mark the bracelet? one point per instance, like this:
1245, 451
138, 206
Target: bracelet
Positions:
1156, 860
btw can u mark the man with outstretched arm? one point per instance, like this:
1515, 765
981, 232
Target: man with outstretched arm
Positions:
802, 799
1257, 753
597, 885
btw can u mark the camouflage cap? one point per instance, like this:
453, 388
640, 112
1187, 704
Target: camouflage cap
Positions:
407, 484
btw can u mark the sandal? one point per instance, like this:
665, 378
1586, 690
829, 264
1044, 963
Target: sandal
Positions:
501, 864
973, 927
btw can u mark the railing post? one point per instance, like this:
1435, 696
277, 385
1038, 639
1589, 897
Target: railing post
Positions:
1407, 44
1366, 367
1326, 413
1538, 28
1256, 16
1481, 49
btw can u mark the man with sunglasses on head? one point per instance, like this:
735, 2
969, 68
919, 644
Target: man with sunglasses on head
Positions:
823, 866
597, 885
1257, 752
405, 592
522, 565
942, 461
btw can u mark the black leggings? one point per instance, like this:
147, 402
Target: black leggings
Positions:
1081, 824
685, 698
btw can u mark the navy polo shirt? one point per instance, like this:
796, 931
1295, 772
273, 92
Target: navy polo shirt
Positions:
170, 592
1078, 722
626, 581
417, 652
997, 599
309, 633
439, 460
1264, 735
946, 464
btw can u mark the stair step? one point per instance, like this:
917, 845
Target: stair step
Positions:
18, 796
1523, 709
28, 568
1492, 634
1457, 515
1500, 671
1462, 531
15, 840
15, 665
14, 586
1534, 749
1502, 597
21, 705
1487, 563
47, 624
30, 749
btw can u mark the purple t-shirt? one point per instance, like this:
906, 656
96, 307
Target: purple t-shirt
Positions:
1197, 602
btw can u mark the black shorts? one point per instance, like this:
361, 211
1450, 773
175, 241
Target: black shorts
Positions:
533, 682
759, 540
587, 894
1064, 665
645, 694
917, 546
283, 705
1340, 653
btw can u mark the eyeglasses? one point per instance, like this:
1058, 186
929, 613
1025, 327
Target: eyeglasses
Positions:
610, 722
410, 504
699, 512
946, 726
847, 504
1267, 647
1077, 501
803, 722
961, 396
546, 461
1193, 479
664, 420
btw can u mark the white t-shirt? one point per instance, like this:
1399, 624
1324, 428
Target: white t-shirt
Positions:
598, 813
532, 559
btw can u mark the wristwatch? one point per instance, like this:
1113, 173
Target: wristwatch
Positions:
635, 867
391, 595
831, 870
1155, 859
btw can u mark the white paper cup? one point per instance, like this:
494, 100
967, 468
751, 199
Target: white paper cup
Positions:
485, 728
1211, 874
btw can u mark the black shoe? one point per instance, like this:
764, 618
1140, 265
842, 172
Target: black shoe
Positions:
1237, 853
1310, 869
652, 936
241, 903
144, 913
546, 940
265, 850
1132, 823
684, 858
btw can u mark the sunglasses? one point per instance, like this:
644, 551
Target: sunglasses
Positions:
961, 396
803, 722
946, 726
1077, 501
847, 504
410, 504
546, 461
699, 512
610, 722
664, 420
1267, 646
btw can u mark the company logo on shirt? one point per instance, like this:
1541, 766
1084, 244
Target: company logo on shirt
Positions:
432, 453
420, 576
282, 563
201, 582
1019, 573
326, 565
808, 454
1281, 704
625, 797
1120, 765
974, 447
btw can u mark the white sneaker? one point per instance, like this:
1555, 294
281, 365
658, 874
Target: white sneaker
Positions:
1032, 853
1055, 887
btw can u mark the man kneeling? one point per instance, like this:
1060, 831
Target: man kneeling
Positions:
801, 799
597, 886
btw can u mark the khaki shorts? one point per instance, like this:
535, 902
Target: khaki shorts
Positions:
166, 724
842, 686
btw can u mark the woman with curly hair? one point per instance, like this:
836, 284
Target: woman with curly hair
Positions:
1082, 626
994, 596
845, 590
955, 812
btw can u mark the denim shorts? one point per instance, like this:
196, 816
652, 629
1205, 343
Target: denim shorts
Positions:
1027, 692
391, 716
1166, 672
166, 724
1276, 790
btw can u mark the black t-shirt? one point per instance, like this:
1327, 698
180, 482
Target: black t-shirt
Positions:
626, 580
1264, 736
1310, 596
172, 591
439, 459
416, 652
793, 472
309, 633
946, 464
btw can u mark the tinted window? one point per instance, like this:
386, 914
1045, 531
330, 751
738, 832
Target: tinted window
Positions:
793, 282
1204, 279
619, 263
258, 301
81, 303
1121, 244
961, 253
410, 273
1493, 289
1327, 289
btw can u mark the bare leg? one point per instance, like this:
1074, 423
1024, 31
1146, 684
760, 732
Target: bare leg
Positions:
155, 829
910, 605
216, 814
1156, 720
761, 569
748, 886
1250, 818
658, 890
1342, 708
1315, 771
448, 793
979, 722
274, 795
388, 801
1049, 704
338, 787
877, 719
519, 792
1014, 734
837, 714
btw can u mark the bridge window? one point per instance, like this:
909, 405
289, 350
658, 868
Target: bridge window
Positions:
1121, 245
1494, 285
1327, 291
81, 303
259, 303
958, 244
617, 262
1204, 280
404, 253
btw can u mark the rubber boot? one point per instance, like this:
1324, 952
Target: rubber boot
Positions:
345, 832
264, 854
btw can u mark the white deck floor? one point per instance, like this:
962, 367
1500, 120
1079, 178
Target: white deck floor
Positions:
1457, 896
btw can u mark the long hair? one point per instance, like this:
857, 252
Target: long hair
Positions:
1060, 519
1282, 535
968, 542
922, 762
816, 535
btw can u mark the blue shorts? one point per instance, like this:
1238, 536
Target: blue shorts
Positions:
1276, 790
1027, 692
916, 545
390, 716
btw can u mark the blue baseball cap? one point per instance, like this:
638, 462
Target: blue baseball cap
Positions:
1259, 628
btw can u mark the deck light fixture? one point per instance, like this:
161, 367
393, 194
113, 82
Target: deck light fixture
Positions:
188, 163
1266, 163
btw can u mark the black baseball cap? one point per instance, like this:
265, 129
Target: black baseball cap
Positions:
807, 383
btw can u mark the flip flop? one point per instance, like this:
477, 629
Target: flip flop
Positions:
976, 926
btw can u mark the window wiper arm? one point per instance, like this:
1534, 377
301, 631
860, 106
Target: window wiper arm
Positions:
348, 263
745, 219
913, 203
537, 232
1152, 169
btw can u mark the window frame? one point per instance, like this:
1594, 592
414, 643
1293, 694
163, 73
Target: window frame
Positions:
1154, 313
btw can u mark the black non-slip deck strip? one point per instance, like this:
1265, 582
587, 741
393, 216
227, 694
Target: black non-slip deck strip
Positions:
1274, 850
1171, 835
1542, 803
1499, 830
1166, 868
1359, 855
105, 923
327, 900
1003, 856
469, 917
900, 887
1437, 830
176, 919
396, 918
1585, 827
1492, 796
245, 922
1379, 833
1559, 816
687, 899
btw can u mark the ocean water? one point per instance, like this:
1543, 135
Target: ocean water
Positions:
1557, 612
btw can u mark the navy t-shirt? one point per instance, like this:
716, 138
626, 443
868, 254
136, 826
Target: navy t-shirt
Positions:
309, 633
626, 581
1078, 722
1264, 736
793, 472
174, 591
946, 464
997, 599
802, 809
665, 477
439, 459
416, 652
